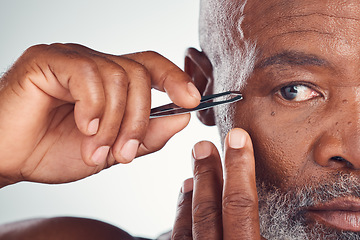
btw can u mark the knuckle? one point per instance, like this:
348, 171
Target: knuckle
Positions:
63, 50
120, 78
96, 101
139, 71
239, 162
182, 234
203, 170
238, 203
170, 74
86, 66
152, 54
207, 211
142, 73
56, 45
54, 48
35, 49
185, 202
73, 45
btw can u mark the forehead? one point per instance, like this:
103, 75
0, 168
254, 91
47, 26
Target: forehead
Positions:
305, 25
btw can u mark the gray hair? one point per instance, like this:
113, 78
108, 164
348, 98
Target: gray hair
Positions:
231, 55
282, 214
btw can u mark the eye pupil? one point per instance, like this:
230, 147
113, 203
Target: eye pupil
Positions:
289, 92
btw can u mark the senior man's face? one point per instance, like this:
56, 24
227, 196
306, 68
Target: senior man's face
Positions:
302, 109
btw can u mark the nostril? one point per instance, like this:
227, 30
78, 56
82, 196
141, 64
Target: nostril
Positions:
340, 159
343, 160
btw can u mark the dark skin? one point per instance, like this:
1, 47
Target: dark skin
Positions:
310, 45
78, 112
75, 228
84, 107
63, 228
328, 71
220, 204
298, 140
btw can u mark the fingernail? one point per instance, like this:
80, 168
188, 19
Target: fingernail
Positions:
129, 150
187, 186
193, 91
100, 155
237, 138
201, 150
93, 126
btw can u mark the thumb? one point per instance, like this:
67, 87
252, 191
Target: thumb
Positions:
160, 130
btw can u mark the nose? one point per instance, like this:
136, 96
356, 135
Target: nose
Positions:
339, 144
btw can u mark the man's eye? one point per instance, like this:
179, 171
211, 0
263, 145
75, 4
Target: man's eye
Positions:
297, 93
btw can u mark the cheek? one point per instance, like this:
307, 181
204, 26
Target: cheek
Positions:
282, 144
279, 154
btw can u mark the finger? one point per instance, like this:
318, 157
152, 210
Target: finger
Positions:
68, 76
137, 112
160, 130
207, 194
133, 127
127, 105
240, 202
182, 227
115, 82
167, 77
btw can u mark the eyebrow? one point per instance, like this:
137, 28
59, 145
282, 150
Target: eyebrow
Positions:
292, 58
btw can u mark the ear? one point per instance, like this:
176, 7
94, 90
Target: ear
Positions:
199, 68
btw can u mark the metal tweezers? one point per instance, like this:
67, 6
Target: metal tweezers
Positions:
205, 103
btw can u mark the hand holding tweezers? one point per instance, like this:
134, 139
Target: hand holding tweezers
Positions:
206, 102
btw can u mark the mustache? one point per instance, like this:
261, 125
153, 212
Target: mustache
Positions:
283, 212
335, 186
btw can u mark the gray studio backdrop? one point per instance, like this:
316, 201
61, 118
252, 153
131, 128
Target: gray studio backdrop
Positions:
140, 197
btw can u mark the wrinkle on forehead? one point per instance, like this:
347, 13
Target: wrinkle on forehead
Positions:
349, 9
262, 15
325, 25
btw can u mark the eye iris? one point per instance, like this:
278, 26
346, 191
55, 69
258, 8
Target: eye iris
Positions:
289, 92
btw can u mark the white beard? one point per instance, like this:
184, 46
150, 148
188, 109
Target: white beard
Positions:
282, 215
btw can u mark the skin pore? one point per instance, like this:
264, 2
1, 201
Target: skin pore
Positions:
301, 108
